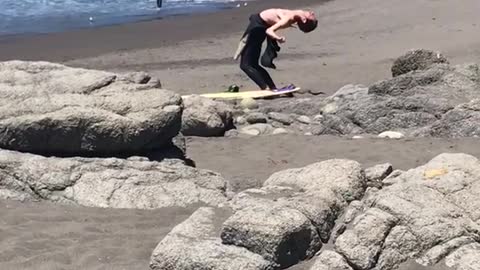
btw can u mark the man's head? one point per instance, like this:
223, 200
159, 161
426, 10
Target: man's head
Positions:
308, 23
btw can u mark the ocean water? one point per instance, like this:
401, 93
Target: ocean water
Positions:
44, 16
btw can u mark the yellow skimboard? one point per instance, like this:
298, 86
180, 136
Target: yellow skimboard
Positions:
249, 94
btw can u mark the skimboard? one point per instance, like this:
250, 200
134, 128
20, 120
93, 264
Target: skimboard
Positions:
251, 94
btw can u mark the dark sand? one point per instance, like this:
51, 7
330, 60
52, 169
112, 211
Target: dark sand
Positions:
45, 236
355, 43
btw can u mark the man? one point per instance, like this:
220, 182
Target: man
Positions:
264, 26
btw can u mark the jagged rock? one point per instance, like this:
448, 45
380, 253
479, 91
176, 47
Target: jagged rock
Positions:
462, 121
256, 117
109, 182
194, 244
379, 172
418, 103
50, 108
205, 117
281, 118
281, 235
416, 60
330, 260
426, 214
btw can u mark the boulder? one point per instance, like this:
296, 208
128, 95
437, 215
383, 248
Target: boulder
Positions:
205, 117
281, 235
50, 108
194, 244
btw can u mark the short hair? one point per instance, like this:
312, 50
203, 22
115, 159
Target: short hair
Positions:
307, 26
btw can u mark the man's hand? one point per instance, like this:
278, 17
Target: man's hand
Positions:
281, 39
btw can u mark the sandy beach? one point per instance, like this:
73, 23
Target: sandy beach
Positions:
356, 42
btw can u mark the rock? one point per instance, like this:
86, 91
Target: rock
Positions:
194, 244
362, 244
205, 117
436, 101
283, 236
231, 133
357, 137
318, 118
138, 77
330, 260
349, 178
110, 182
391, 135
308, 134
54, 109
379, 172
240, 120
304, 119
462, 121
428, 214
249, 103
256, 117
279, 131
465, 258
416, 60
310, 190
281, 118
257, 129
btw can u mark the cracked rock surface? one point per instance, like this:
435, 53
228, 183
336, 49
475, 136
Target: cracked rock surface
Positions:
108, 182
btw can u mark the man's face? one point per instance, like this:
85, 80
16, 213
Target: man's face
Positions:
310, 15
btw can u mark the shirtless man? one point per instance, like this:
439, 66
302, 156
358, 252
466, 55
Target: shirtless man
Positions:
264, 26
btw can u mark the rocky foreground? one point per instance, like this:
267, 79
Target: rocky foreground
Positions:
99, 139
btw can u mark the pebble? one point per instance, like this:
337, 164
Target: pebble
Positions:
241, 120
249, 103
256, 117
304, 119
391, 135
280, 117
279, 131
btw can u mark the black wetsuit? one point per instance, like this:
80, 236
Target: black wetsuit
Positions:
250, 54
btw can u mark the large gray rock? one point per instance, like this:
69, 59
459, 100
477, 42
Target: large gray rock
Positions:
416, 60
51, 108
419, 103
194, 244
314, 196
281, 235
110, 182
428, 214
205, 117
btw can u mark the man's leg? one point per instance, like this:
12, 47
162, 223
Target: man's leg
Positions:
249, 61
